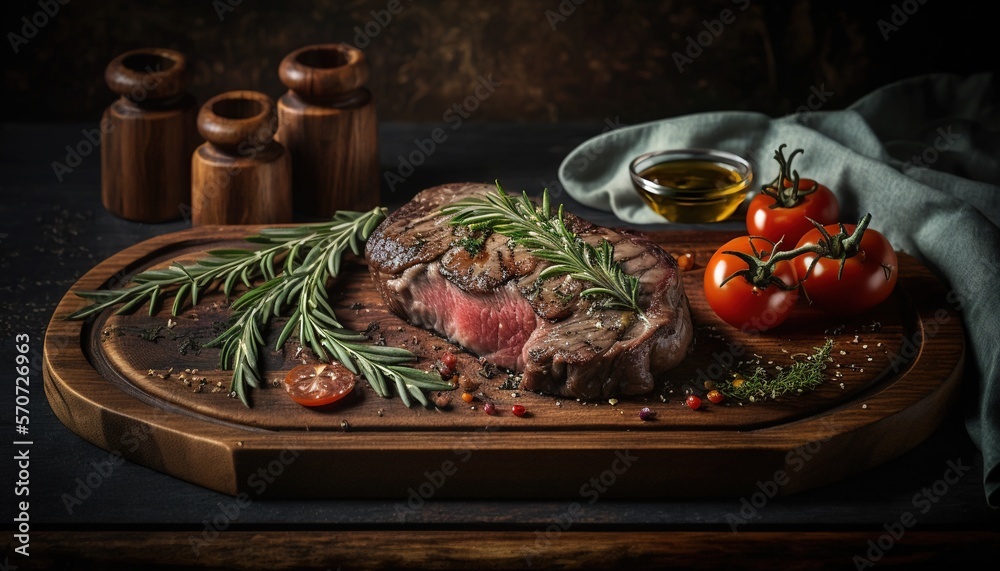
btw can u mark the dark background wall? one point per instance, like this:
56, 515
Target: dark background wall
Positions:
602, 60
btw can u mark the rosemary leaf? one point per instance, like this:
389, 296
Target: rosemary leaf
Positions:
547, 237
296, 265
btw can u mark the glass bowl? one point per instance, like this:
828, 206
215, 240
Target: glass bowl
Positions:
691, 185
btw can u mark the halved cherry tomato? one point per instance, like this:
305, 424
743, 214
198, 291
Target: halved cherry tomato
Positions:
738, 301
868, 278
319, 384
778, 213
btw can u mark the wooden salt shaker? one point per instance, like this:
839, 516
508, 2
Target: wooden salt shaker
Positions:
328, 124
240, 175
147, 136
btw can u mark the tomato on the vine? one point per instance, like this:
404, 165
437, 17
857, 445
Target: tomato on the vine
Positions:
779, 212
854, 277
319, 384
735, 297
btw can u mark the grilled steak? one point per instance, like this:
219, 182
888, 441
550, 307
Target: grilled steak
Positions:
486, 296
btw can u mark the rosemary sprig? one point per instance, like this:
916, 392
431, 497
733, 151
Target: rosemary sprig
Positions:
546, 236
801, 376
296, 264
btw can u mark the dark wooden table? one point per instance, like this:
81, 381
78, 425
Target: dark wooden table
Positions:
53, 229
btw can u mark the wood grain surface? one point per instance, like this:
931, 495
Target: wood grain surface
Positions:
240, 175
147, 136
328, 123
893, 379
469, 549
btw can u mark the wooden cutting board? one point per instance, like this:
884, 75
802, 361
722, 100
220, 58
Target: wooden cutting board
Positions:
893, 379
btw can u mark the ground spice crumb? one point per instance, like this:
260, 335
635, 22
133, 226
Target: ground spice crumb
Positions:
344, 424
380, 412
864, 406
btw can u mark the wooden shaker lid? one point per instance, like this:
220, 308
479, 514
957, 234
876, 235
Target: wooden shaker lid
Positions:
237, 117
324, 71
148, 74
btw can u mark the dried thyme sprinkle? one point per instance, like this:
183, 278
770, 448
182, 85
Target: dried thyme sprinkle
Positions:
802, 376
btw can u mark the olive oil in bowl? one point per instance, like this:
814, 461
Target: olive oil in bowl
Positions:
692, 185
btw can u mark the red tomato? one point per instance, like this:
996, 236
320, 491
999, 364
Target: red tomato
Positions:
791, 223
739, 302
319, 384
693, 402
868, 278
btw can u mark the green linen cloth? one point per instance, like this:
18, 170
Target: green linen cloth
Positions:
921, 155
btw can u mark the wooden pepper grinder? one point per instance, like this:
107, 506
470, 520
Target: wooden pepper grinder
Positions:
240, 175
328, 124
147, 136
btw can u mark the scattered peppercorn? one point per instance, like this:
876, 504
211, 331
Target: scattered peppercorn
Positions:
468, 384
518, 410
715, 397
646, 413
490, 408
442, 400
467, 397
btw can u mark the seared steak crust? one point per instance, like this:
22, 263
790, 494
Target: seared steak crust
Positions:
483, 293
